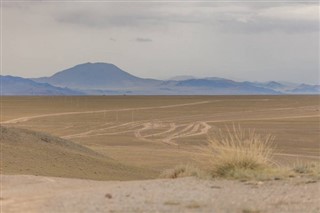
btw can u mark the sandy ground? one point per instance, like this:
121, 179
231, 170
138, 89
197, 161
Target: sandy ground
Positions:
149, 124
21, 193
136, 138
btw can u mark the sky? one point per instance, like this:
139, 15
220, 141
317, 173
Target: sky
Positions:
240, 40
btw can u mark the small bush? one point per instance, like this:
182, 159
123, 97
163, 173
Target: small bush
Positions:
239, 153
310, 168
183, 171
250, 211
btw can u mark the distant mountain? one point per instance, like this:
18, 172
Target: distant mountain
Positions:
96, 76
181, 78
225, 86
273, 85
11, 85
288, 87
306, 89
207, 83
216, 78
108, 79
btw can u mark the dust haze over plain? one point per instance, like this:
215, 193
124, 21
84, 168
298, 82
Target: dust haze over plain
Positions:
255, 41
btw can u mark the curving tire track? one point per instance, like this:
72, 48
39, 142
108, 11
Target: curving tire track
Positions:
24, 119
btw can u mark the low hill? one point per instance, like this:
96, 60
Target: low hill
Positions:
181, 78
306, 89
96, 76
34, 153
11, 85
224, 86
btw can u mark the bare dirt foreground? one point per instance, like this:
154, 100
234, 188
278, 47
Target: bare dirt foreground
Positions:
43, 194
94, 154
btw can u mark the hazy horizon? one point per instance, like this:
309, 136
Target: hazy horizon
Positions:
244, 41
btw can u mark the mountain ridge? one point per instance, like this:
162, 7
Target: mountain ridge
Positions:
12, 85
107, 79
94, 76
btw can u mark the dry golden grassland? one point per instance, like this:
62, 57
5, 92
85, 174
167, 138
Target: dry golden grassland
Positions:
148, 134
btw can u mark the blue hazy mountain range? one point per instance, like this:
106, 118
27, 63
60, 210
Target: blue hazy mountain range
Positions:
108, 79
306, 89
20, 86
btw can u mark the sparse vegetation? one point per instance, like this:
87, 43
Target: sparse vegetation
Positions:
183, 171
307, 168
193, 205
239, 153
171, 203
236, 153
250, 211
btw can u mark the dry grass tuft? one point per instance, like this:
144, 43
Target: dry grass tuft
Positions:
183, 171
239, 153
307, 168
171, 203
193, 205
250, 211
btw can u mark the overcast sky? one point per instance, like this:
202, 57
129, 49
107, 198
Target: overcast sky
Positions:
242, 40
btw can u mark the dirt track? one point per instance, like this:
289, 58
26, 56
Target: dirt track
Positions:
148, 135
44, 194
128, 129
24, 119
171, 132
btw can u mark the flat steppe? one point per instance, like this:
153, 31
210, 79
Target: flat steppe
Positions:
136, 138
156, 132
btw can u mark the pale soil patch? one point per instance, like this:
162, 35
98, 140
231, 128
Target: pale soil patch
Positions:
43, 194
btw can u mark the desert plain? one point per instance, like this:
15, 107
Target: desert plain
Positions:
106, 153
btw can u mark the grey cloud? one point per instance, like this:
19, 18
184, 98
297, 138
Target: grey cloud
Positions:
260, 25
258, 18
108, 21
108, 15
143, 39
243, 18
